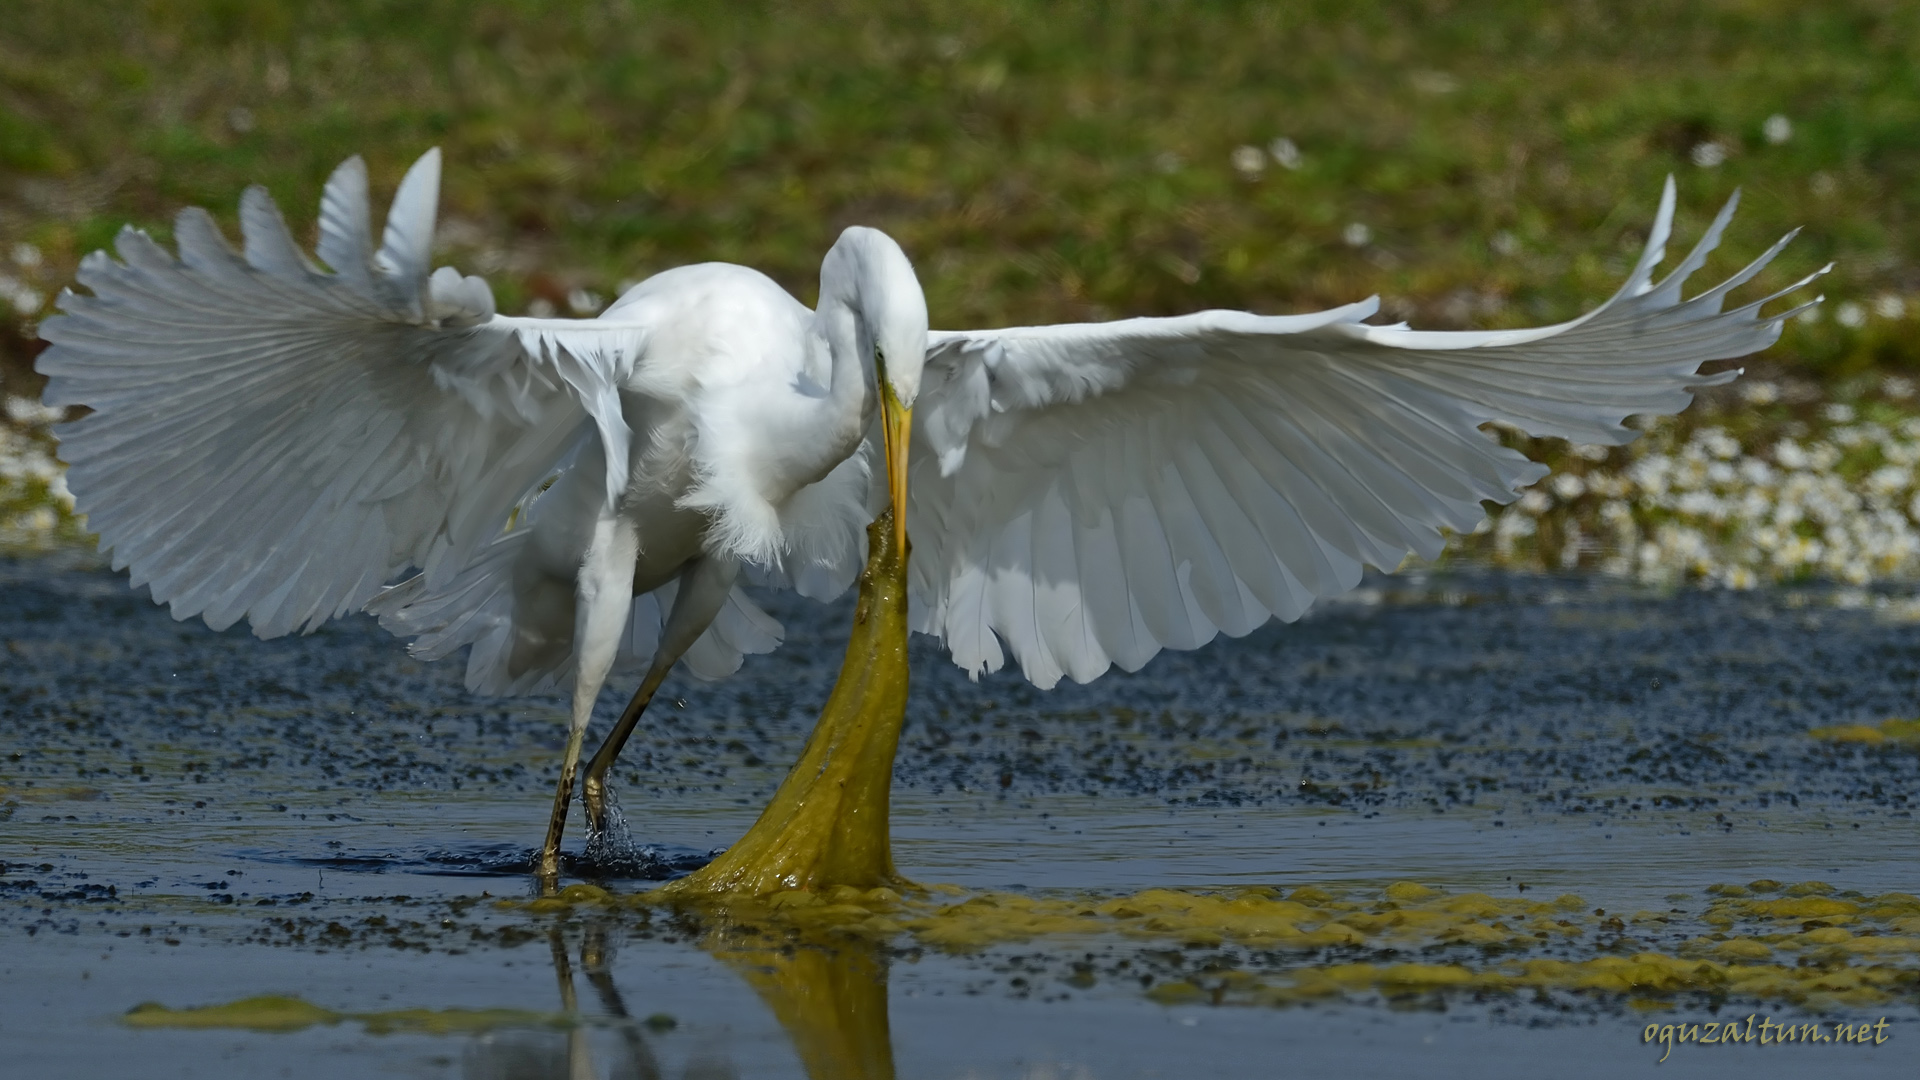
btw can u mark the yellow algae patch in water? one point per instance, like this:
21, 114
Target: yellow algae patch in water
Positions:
275, 1013
1864, 961
453, 1021
1810, 907
1424, 976
1742, 949
268, 1013
1901, 731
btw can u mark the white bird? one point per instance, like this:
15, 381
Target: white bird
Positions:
278, 442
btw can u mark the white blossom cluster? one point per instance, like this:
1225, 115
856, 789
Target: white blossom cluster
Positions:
36, 509
1841, 503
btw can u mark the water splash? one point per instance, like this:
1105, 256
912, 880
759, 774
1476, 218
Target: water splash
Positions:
613, 853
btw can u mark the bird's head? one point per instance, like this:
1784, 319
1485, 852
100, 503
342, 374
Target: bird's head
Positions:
868, 275
870, 279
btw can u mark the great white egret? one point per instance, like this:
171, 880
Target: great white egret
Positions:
279, 442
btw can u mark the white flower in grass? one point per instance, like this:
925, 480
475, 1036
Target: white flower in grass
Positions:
1759, 392
1719, 443
24, 299
1285, 154
1699, 504
1248, 161
1535, 501
1889, 306
1777, 129
1709, 155
1851, 315
1756, 472
1356, 235
1568, 486
1889, 480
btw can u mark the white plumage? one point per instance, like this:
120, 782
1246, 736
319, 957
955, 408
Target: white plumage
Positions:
278, 442
1094, 493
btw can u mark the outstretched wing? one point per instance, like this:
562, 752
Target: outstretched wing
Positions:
1091, 494
275, 442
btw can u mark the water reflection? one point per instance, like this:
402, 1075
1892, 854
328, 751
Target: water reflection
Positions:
829, 996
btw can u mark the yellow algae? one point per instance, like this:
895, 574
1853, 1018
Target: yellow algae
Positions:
266, 1013
1176, 993
1742, 949
1855, 733
275, 1013
586, 894
1878, 945
1811, 907
1475, 934
1898, 730
453, 1021
827, 825
1866, 960
1425, 975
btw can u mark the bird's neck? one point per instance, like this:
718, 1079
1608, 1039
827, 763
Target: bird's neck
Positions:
851, 378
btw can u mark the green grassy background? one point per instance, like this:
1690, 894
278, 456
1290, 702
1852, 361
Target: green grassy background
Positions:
1040, 161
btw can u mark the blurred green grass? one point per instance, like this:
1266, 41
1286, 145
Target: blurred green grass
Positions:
1041, 161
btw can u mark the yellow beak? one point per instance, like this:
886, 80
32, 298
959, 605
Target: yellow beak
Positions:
896, 422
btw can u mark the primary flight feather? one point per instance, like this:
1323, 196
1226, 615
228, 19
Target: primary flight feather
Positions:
279, 442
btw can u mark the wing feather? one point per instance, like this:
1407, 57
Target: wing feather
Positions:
273, 442
1091, 494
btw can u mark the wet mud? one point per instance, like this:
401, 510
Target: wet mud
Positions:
1467, 823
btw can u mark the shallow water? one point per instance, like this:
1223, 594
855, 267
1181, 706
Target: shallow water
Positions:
187, 817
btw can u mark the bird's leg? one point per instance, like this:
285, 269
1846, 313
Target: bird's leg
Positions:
704, 588
549, 865
593, 789
604, 597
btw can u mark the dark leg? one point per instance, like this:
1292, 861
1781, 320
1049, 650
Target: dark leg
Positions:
548, 867
594, 787
704, 588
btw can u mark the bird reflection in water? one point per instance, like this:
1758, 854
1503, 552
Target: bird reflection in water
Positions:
830, 997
